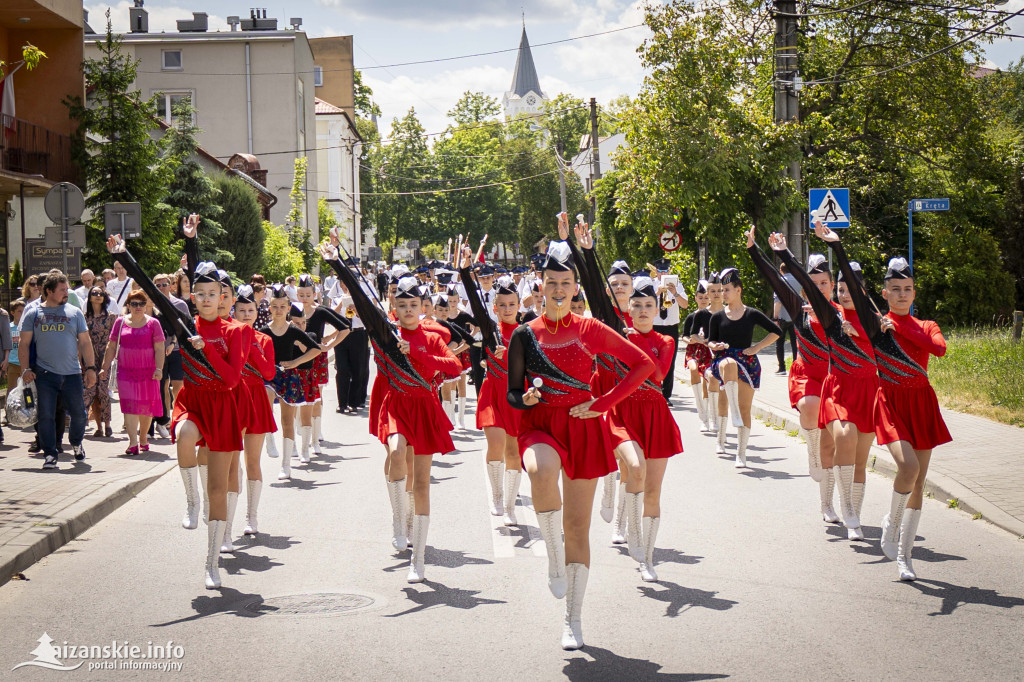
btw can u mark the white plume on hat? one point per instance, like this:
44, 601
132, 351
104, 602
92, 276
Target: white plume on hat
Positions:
899, 263
815, 260
206, 268
559, 251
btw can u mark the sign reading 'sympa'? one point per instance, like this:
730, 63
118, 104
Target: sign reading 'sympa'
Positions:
40, 258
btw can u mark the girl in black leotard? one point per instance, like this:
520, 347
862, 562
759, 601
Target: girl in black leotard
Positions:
698, 356
732, 332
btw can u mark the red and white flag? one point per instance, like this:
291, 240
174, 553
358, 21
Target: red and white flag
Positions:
7, 112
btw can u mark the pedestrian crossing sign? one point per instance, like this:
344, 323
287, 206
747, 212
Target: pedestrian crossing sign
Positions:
831, 205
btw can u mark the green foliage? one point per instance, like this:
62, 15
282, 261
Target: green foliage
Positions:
474, 107
982, 373
119, 159
363, 102
31, 55
191, 190
298, 235
17, 277
241, 220
433, 251
567, 118
280, 258
400, 165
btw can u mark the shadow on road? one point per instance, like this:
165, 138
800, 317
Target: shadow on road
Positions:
442, 595
271, 541
667, 555
444, 465
606, 665
229, 601
300, 484
447, 558
236, 564
64, 468
954, 596
679, 599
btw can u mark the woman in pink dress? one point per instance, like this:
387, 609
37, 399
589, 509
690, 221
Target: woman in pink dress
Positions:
138, 342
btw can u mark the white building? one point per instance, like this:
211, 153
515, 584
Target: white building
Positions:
339, 147
251, 84
525, 96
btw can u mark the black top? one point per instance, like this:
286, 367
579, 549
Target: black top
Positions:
696, 321
480, 319
286, 345
789, 298
529, 315
740, 333
322, 317
595, 288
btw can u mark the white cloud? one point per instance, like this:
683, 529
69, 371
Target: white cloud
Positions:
161, 18
607, 57
461, 13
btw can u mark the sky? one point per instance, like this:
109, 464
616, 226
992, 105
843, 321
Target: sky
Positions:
387, 32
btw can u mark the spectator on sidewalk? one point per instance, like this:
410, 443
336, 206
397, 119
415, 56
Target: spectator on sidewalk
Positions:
781, 318
6, 344
13, 366
99, 322
137, 341
108, 274
82, 292
181, 287
60, 335
30, 289
118, 289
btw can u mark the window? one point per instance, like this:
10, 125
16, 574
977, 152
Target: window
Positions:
171, 60
318, 76
167, 101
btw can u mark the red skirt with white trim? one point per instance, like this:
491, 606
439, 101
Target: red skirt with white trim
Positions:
648, 422
849, 398
584, 445
910, 413
418, 417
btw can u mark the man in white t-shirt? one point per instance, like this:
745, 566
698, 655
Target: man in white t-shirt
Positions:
82, 292
667, 320
118, 289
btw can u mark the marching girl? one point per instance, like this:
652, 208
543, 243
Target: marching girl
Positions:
848, 392
213, 357
810, 367
736, 365
462, 319
561, 430
461, 340
644, 417
499, 421
292, 348
317, 318
405, 411
907, 416
578, 303
698, 356
258, 369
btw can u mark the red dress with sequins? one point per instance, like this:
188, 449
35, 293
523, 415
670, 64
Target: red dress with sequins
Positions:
809, 370
644, 416
404, 398
906, 408
564, 359
259, 368
492, 408
206, 399
848, 392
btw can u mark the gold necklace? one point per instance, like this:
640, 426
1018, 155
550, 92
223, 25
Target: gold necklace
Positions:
557, 323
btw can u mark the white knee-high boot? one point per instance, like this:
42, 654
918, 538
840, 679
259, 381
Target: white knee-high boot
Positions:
732, 392
204, 476
420, 525
713, 410
723, 423
572, 633
891, 524
252, 499
307, 436
317, 436
410, 511
512, 477
908, 533
228, 546
619, 523
214, 538
742, 437
462, 412
698, 401
651, 524
825, 487
634, 529
495, 471
813, 438
190, 477
551, 531
288, 445
396, 493
608, 497
858, 501
449, 410
844, 476
271, 446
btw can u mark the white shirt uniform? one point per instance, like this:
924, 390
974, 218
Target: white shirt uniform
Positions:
668, 317
115, 289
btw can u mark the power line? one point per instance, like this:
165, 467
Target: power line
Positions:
996, 34
443, 191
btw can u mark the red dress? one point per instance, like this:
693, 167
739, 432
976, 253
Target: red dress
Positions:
240, 393
848, 392
205, 399
492, 407
809, 370
404, 399
644, 416
564, 359
906, 408
259, 368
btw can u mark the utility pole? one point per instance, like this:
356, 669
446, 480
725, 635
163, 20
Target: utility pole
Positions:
595, 159
559, 150
787, 104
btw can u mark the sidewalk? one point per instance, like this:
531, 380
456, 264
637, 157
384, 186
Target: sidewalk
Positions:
42, 510
983, 468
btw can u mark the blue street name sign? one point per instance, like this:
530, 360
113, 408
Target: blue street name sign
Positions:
920, 206
929, 205
832, 205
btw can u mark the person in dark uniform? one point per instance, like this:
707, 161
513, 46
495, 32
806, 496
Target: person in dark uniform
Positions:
667, 321
352, 356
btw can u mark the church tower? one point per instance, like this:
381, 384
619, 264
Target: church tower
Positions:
525, 96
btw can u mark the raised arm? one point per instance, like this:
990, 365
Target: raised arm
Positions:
826, 314
184, 326
869, 319
376, 322
518, 396
480, 316
789, 299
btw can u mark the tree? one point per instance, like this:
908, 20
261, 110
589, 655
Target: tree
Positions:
30, 54
567, 118
363, 102
241, 220
191, 189
400, 165
120, 160
474, 108
280, 258
298, 235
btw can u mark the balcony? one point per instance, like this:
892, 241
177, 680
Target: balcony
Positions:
29, 149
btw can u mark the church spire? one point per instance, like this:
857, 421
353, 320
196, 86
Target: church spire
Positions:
524, 79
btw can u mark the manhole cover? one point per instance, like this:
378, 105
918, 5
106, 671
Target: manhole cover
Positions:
322, 604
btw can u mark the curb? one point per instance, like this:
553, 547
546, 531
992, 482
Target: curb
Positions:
941, 487
74, 521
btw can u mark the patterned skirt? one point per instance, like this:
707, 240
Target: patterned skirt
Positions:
699, 352
749, 366
287, 384
319, 370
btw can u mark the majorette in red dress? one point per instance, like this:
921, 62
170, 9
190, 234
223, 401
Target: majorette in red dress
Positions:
259, 368
492, 408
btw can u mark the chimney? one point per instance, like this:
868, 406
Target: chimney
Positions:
296, 23
233, 22
199, 23
139, 18
258, 21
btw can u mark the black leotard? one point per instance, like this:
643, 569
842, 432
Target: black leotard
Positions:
740, 333
285, 348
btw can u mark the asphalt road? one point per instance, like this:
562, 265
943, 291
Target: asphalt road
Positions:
753, 584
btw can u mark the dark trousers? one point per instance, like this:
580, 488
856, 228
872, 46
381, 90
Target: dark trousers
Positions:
780, 345
49, 388
352, 369
670, 376
476, 370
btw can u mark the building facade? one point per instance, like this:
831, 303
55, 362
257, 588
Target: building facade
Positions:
252, 86
339, 147
334, 71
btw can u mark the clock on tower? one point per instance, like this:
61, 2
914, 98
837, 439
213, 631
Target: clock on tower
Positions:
531, 100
